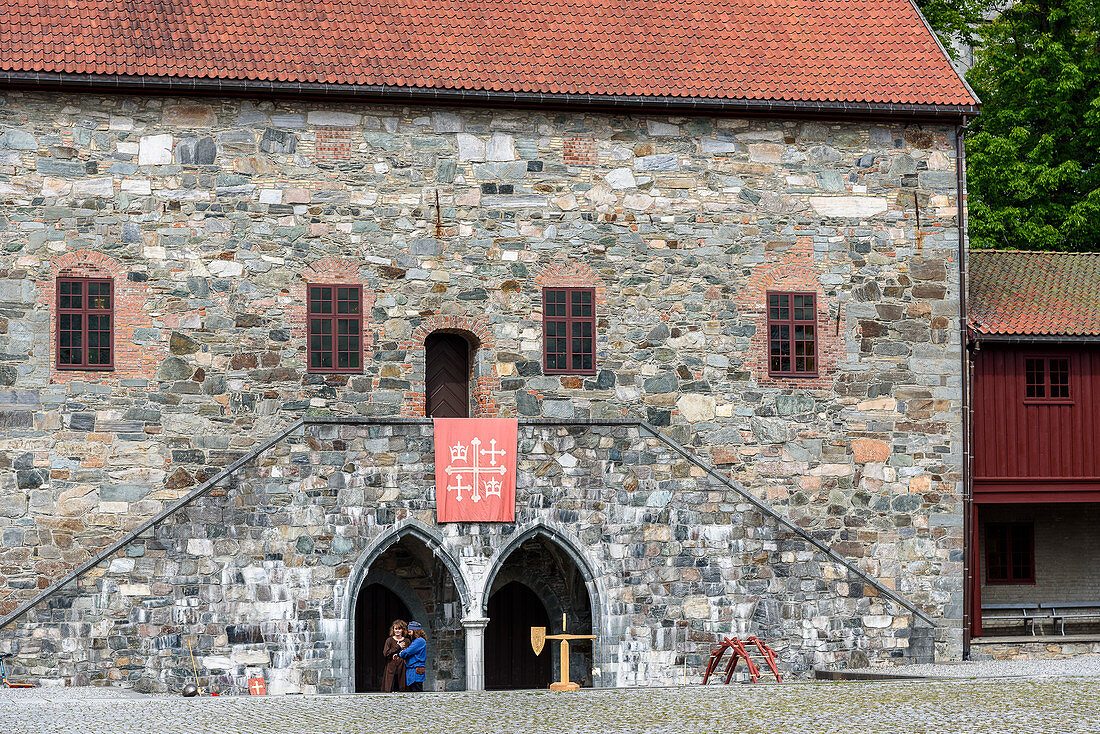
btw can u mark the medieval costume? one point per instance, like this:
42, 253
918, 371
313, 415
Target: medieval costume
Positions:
393, 677
416, 658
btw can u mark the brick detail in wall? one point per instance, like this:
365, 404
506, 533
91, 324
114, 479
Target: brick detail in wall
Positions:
573, 274
333, 144
791, 271
484, 381
329, 271
580, 151
132, 359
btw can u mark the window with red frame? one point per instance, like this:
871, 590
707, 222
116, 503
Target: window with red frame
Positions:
1046, 379
1010, 553
85, 324
569, 330
792, 334
335, 339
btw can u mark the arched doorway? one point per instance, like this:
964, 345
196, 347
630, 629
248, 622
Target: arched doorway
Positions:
409, 580
447, 375
535, 584
375, 610
509, 660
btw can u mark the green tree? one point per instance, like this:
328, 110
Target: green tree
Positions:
1033, 156
955, 20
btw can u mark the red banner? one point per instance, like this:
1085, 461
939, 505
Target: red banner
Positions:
475, 469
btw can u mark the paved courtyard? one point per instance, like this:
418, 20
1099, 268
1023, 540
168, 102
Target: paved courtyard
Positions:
1009, 705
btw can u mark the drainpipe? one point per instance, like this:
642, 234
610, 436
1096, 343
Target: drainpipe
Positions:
964, 350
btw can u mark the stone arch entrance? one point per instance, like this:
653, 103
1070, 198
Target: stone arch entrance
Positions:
409, 573
537, 578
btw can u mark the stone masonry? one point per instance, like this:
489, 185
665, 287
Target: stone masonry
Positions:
261, 576
211, 215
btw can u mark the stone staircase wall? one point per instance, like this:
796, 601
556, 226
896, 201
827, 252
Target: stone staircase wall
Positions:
256, 576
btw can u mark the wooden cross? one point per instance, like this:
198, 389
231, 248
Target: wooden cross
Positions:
538, 640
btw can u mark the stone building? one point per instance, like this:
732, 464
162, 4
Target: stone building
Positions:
712, 267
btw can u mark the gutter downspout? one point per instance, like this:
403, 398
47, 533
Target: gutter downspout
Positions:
964, 351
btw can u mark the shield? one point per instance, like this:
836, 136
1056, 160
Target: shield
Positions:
538, 639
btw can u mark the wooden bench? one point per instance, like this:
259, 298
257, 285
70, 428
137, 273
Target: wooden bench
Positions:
1072, 610
1029, 614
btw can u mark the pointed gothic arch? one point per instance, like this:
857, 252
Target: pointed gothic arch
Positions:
559, 537
554, 569
412, 544
415, 529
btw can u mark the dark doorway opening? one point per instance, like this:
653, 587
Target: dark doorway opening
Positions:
535, 585
375, 610
410, 581
447, 375
509, 660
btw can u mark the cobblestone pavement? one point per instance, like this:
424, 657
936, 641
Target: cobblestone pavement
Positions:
1072, 666
1011, 706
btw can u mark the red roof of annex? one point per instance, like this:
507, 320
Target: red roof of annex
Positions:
862, 51
1017, 293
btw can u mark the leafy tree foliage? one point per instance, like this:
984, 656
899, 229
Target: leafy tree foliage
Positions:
955, 20
1033, 157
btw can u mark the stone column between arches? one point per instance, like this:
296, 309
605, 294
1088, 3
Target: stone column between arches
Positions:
475, 652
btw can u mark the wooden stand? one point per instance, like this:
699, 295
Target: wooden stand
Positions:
538, 638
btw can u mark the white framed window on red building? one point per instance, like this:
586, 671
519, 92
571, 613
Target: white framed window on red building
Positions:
85, 332
334, 328
1046, 379
792, 334
569, 331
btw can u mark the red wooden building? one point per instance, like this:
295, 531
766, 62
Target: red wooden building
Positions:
1035, 467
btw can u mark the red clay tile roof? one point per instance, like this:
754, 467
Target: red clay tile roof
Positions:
867, 51
1034, 293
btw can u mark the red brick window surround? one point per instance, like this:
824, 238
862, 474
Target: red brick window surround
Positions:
569, 330
792, 334
1010, 553
335, 328
1046, 380
85, 331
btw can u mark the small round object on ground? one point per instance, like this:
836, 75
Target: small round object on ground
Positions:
190, 690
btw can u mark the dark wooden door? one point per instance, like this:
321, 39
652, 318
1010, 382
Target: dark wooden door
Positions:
375, 611
447, 378
509, 660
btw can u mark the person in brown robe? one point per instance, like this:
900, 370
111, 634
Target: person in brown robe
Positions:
393, 677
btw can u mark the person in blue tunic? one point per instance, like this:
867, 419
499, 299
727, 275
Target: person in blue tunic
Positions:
416, 658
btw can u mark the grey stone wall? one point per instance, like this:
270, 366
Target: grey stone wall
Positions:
210, 215
260, 578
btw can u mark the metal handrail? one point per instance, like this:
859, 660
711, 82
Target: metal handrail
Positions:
768, 509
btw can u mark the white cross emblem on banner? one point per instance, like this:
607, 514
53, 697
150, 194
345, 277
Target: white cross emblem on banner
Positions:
484, 483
